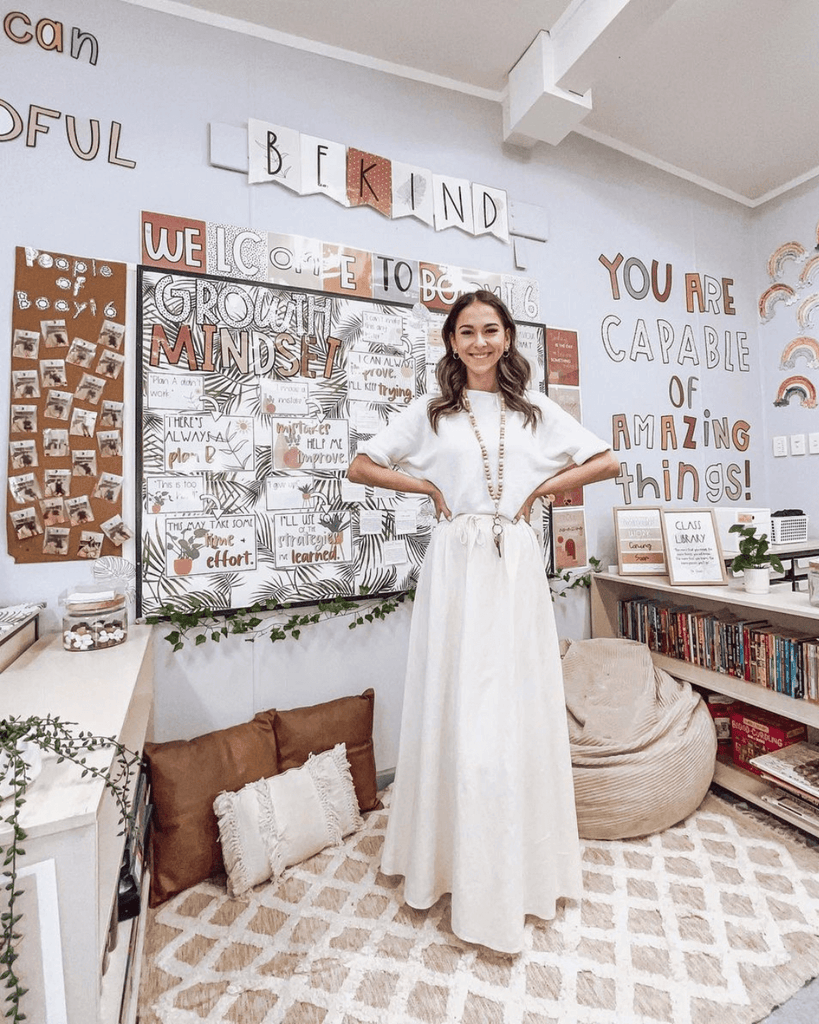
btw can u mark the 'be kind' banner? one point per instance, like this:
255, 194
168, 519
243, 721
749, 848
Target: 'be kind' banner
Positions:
310, 165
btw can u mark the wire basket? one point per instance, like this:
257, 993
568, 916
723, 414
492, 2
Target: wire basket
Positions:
789, 529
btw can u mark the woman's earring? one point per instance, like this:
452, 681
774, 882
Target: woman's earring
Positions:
455, 354
506, 353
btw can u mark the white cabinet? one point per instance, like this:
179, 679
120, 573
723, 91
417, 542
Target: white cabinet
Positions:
782, 607
72, 826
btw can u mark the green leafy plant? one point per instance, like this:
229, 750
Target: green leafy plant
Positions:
754, 551
200, 623
572, 579
52, 736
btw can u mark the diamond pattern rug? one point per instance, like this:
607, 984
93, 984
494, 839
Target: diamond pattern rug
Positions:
715, 921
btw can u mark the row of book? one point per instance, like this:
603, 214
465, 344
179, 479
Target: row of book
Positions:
750, 649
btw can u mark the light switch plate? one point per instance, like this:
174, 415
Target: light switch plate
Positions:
798, 444
813, 443
780, 445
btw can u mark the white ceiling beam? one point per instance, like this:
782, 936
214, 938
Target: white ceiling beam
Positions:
549, 89
593, 34
535, 109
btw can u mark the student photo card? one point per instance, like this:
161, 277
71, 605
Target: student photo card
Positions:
25, 522
54, 333
25, 344
25, 384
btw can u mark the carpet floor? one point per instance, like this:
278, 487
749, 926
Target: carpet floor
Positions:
714, 921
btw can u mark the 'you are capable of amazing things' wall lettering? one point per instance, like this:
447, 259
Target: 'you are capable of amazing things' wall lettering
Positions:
701, 353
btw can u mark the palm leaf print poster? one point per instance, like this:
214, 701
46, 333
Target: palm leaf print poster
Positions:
252, 400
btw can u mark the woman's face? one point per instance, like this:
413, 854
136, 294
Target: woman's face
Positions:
480, 340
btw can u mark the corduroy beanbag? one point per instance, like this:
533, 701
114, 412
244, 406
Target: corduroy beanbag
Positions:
643, 744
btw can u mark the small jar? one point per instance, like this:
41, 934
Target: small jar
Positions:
94, 619
813, 582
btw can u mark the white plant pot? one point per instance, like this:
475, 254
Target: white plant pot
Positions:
33, 757
758, 580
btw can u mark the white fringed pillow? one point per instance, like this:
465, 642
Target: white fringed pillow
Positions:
274, 823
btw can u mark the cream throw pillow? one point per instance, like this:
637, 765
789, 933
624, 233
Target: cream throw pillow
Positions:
274, 823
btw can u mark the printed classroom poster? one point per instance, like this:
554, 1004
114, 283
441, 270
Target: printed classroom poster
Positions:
64, 493
254, 398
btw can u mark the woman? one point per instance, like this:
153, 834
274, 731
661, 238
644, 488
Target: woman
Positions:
483, 803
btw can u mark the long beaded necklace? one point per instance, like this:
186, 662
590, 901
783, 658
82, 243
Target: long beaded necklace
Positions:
495, 491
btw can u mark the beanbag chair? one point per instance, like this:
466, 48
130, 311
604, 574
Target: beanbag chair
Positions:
643, 744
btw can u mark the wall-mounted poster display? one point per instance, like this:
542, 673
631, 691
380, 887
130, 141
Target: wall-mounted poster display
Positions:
253, 398
65, 440
692, 547
639, 537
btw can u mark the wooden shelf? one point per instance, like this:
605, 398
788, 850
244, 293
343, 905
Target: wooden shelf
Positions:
782, 607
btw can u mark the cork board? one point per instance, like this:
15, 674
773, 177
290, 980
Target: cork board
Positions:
64, 495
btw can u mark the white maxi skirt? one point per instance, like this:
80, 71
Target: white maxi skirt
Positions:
483, 801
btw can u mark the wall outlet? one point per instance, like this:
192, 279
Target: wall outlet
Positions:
798, 444
780, 446
813, 443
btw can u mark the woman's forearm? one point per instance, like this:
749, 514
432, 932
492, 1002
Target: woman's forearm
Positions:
602, 466
364, 471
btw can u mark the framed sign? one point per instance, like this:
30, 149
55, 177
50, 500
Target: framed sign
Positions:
692, 548
639, 536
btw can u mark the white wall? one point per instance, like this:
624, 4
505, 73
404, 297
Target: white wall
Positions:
165, 80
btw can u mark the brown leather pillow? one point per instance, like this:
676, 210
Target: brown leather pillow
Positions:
186, 777
311, 730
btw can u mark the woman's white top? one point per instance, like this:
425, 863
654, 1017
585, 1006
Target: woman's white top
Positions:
451, 459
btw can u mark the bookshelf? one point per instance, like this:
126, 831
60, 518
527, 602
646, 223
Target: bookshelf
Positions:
784, 608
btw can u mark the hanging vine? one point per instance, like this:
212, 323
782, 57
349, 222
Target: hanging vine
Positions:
52, 736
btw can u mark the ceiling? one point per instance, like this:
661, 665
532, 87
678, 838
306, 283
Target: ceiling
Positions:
720, 92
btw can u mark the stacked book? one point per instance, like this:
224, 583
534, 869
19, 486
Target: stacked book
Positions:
794, 772
749, 649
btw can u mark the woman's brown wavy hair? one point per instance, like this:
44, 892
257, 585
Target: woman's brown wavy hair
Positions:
513, 369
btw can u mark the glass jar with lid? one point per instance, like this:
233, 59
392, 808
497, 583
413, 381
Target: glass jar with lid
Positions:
94, 618
813, 582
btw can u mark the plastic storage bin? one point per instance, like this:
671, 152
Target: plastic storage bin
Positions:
789, 529
93, 619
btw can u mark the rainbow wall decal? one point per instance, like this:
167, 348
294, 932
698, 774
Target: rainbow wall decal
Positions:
799, 386
809, 273
802, 346
778, 259
806, 311
769, 298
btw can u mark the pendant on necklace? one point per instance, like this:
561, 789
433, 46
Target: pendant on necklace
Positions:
497, 533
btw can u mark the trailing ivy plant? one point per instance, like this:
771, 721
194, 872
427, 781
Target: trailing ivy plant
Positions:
574, 578
52, 736
199, 623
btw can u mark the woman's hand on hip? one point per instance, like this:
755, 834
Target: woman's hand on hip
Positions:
525, 510
438, 500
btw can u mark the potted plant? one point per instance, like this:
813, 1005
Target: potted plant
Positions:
23, 741
755, 559
187, 546
334, 523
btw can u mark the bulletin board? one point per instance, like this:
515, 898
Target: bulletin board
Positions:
252, 399
68, 341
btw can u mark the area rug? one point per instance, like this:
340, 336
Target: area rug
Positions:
715, 921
